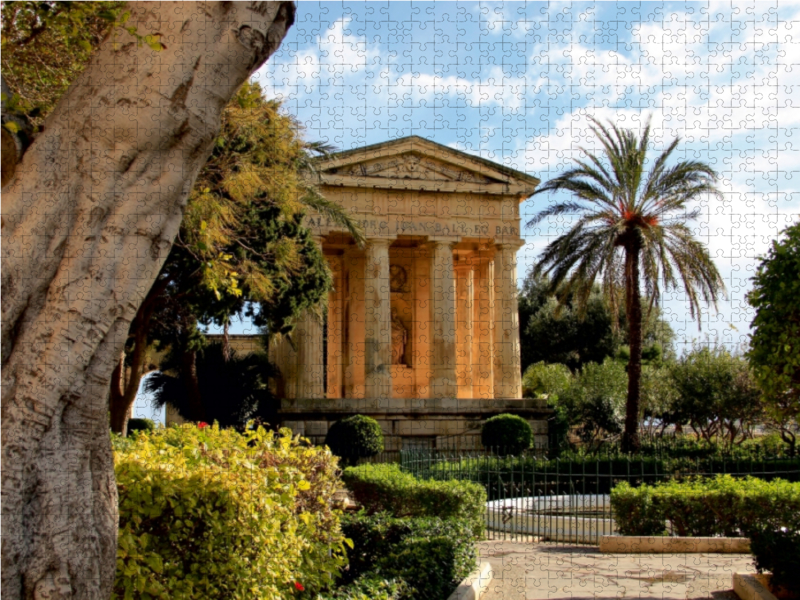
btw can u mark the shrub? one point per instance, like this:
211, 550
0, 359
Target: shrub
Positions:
430, 554
778, 551
543, 379
369, 587
386, 488
707, 507
635, 511
355, 437
140, 425
511, 434
210, 513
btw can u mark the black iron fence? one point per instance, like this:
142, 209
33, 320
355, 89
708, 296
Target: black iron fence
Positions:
567, 499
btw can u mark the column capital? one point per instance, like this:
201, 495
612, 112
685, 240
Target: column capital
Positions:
441, 239
379, 241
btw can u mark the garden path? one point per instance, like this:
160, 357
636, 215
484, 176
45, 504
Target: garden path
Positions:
529, 571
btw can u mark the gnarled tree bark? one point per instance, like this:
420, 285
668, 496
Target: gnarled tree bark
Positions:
87, 223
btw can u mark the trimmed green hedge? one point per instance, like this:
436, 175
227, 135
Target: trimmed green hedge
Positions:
210, 513
354, 437
778, 552
386, 488
369, 587
432, 555
589, 474
506, 434
723, 505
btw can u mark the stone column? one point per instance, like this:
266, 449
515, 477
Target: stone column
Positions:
335, 329
507, 377
377, 320
465, 293
443, 296
307, 338
353, 339
483, 326
422, 323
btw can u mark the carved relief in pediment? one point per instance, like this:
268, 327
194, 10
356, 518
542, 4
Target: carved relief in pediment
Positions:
412, 166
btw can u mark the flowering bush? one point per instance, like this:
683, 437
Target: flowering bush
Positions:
210, 513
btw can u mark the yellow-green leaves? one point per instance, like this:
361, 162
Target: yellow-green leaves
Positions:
210, 513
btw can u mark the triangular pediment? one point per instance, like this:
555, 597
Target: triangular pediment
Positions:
417, 163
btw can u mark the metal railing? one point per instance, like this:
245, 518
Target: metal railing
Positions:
567, 500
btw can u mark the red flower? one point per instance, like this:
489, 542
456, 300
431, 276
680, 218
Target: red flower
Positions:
202, 424
299, 586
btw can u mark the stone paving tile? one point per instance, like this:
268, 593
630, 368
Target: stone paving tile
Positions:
530, 571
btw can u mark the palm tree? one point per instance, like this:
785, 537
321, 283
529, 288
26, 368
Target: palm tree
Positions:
631, 229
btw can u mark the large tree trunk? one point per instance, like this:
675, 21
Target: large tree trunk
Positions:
633, 307
87, 223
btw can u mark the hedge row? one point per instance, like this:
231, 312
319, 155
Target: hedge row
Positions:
209, 513
387, 488
707, 507
522, 476
429, 553
417, 531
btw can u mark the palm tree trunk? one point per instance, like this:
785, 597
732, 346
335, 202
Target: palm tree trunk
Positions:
633, 309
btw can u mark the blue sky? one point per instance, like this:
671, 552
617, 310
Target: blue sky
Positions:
514, 82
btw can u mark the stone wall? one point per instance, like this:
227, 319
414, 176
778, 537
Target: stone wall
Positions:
417, 423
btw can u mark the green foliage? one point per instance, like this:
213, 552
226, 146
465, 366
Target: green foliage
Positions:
556, 332
595, 401
715, 393
369, 587
140, 425
210, 513
778, 551
506, 434
430, 554
386, 488
233, 390
355, 437
659, 398
46, 45
635, 512
775, 343
701, 507
562, 334
545, 380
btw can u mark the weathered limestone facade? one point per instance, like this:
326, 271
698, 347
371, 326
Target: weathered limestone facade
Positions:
422, 327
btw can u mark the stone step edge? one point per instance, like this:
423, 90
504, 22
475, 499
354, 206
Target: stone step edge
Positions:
475, 584
747, 587
630, 544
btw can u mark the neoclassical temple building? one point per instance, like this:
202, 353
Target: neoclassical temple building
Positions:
422, 327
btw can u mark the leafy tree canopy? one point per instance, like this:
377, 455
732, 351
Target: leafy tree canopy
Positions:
775, 343
553, 332
715, 393
46, 45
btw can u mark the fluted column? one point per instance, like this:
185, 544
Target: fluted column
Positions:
307, 338
507, 377
465, 293
335, 330
443, 296
483, 353
377, 321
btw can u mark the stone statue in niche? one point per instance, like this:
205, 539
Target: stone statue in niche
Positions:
399, 341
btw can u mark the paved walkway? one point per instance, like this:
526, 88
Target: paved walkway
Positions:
529, 571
